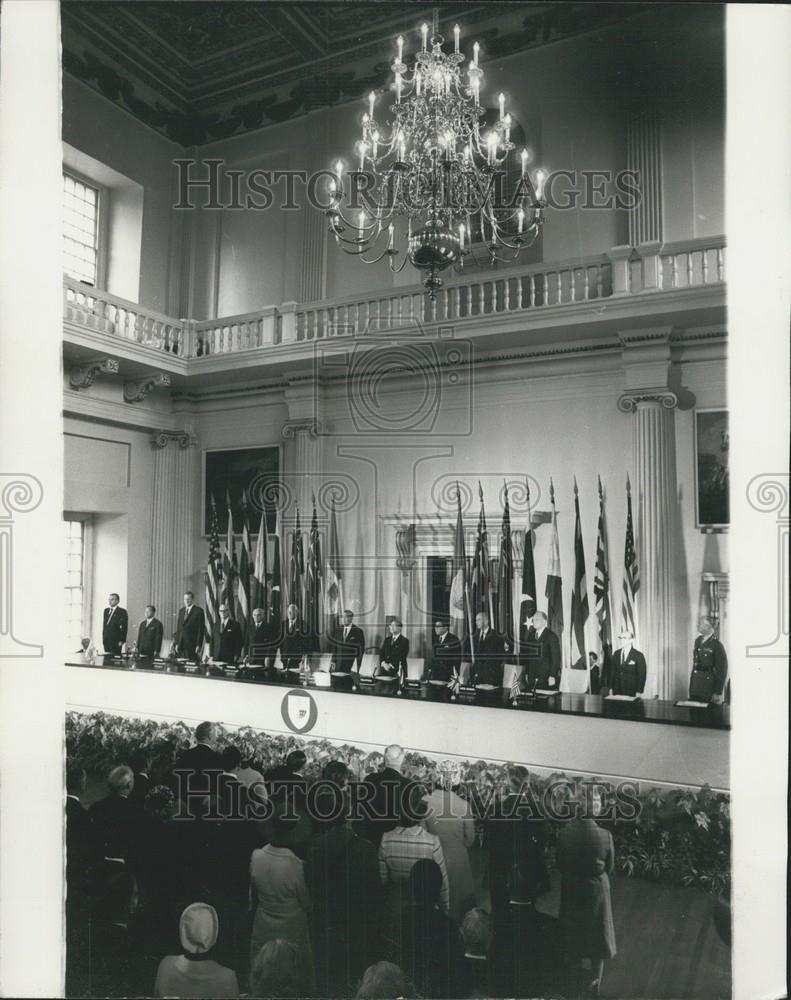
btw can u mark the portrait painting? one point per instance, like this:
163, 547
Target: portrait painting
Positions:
246, 476
711, 468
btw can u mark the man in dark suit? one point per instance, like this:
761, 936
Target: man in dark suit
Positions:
626, 671
378, 807
261, 644
115, 624
445, 658
540, 656
394, 651
709, 665
149, 634
293, 644
190, 629
488, 653
348, 644
285, 779
197, 770
116, 818
227, 640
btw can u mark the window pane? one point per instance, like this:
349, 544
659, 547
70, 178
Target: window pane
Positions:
80, 233
73, 579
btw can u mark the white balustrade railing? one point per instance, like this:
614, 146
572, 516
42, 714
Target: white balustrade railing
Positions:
110, 314
624, 271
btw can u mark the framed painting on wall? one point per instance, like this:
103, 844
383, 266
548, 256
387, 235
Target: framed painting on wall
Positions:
711, 469
238, 472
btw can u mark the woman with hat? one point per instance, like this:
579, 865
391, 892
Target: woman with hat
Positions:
194, 973
278, 885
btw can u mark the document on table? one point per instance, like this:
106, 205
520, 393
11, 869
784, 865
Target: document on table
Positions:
620, 697
692, 704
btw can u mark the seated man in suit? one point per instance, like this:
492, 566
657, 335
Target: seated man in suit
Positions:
149, 634
626, 672
445, 659
347, 644
709, 665
190, 629
541, 656
394, 651
115, 625
488, 653
227, 640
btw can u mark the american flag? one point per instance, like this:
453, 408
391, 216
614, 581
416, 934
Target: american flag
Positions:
213, 573
631, 575
601, 588
515, 688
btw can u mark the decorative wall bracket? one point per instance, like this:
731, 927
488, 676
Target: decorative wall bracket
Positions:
160, 439
629, 400
83, 376
136, 390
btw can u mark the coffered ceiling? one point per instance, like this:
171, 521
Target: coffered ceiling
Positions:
200, 71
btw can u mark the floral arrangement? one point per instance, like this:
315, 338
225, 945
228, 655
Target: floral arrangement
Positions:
675, 835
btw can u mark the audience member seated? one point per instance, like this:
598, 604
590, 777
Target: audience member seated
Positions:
400, 849
585, 857
476, 977
342, 877
194, 973
450, 818
277, 973
116, 818
431, 947
384, 981
278, 886
516, 839
382, 806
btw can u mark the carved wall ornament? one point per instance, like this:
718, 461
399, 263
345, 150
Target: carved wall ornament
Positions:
628, 401
136, 390
83, 376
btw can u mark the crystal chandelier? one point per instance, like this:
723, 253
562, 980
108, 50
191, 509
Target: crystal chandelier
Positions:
430, 177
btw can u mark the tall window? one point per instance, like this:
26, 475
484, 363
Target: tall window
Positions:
75, 581
80, 230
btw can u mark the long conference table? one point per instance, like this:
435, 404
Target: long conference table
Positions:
651, 741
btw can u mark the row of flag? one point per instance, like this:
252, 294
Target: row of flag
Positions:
255, 579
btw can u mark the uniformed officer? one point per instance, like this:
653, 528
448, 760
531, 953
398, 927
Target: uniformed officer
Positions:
709, 665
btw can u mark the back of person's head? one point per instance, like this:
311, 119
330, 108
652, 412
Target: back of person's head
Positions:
518, 778
76, 778
425, 883
160, 803
476, 932
121, 780
296, 760
231, 758
394, 756
413, 807
382, 981
206, 733
276, 970
336, 772
140, 760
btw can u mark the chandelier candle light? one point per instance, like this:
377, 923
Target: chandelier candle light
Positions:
430, 175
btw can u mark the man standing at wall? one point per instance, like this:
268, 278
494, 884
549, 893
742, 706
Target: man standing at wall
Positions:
115, 625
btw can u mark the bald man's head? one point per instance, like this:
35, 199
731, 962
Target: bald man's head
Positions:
394, 756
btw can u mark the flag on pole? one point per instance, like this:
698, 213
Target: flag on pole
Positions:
258, 595
313, 603
461, 623
577, 682
601, 592
527, 607
229, 563
243, 609
295, 582
554, 585
631, 576
276, 606
333, 584
480, 588
505, 579
213, 574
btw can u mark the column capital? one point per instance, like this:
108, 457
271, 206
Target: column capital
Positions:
161, 439
628, 401
293, 428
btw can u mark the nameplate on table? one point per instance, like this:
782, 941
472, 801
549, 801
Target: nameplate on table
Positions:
620, 697
692, 704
